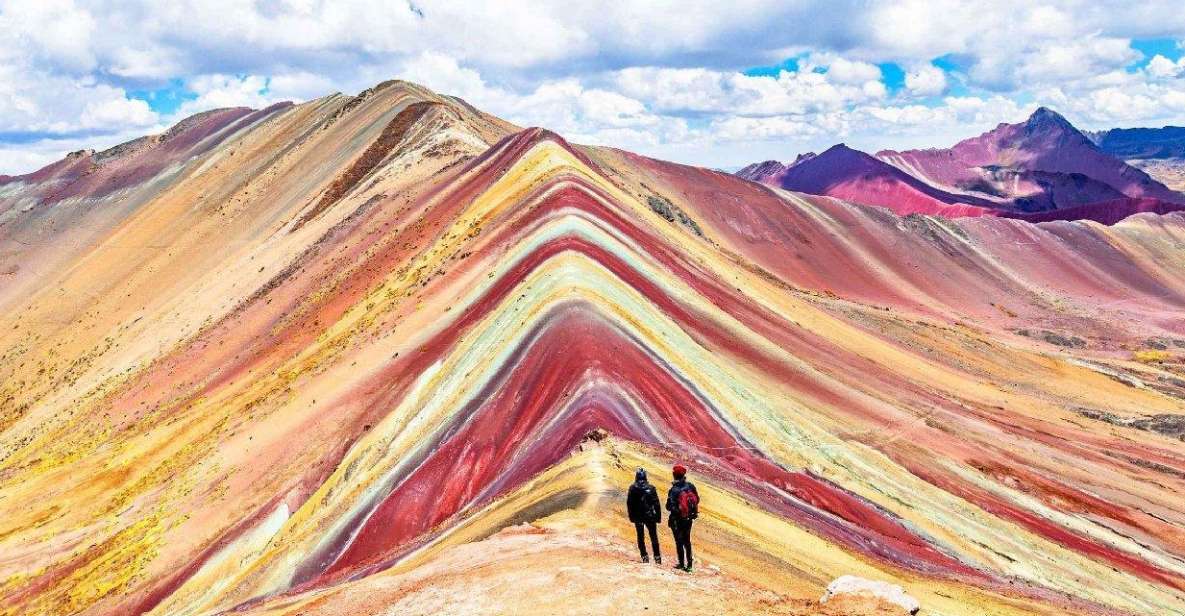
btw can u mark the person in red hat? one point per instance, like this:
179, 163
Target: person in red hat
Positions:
683, 505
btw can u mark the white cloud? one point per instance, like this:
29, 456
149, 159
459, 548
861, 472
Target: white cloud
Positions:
662, 76
148, 62
116, 111
925, 80
802, 91
1161, 67
39, 103
742, 129
1063, 61
443, 73
971, 114
582, 113
300, 86
217, 91
56, 32
848, 72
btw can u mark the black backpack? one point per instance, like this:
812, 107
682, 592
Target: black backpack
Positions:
650, 501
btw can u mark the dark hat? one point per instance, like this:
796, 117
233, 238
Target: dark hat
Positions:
640, 475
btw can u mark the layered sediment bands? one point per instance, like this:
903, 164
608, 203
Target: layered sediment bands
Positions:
285, 399
1068, 273
395, 132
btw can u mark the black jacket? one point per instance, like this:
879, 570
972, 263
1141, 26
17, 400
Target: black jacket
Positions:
672, 498
642, 503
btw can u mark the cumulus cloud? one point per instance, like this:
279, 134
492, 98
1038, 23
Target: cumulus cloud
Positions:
744, 129
840, 70
56, 32
661, 76
1160, 67
925, 80
217, 91
1063, 61
708, 91
568, 105
57, 105
970, 114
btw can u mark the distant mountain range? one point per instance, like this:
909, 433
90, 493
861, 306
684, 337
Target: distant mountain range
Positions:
1142, 143
1159, 152
1039, 169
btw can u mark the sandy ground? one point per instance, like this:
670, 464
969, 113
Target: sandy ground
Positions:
555, 569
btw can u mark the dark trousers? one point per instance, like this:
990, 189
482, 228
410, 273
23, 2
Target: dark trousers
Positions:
653, 538
682, 531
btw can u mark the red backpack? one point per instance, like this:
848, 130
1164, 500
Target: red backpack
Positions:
688, 502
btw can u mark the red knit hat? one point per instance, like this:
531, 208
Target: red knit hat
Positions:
679, 470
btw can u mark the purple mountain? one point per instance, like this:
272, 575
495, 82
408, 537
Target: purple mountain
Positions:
1042, 168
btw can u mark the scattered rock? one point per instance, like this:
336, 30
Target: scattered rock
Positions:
1164, 423
892, 593
596, 435
1171, 380
663, 207
1053, 338
1159, 345
1063, 341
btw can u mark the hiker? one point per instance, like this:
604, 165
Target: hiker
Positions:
642, 504
683, 505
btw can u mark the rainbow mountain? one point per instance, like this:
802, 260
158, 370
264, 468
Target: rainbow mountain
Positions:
390, 354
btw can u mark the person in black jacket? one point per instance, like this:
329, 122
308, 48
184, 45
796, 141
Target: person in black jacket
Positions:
642, 504
683, 508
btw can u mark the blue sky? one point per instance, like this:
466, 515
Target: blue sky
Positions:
697, 82
165, 99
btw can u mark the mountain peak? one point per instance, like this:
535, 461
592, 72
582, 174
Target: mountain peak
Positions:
759, 171
802, 158
1044, 117
841, 151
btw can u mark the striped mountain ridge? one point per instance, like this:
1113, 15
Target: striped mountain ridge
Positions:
350, 339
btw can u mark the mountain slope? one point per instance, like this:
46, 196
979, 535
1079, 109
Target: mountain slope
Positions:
349, 340
852, 175
1044, 144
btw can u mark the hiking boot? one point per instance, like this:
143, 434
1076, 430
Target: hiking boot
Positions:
657, 559
645, 558
680, 567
